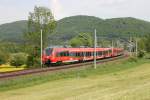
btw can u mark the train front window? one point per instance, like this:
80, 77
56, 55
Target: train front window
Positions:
48, 51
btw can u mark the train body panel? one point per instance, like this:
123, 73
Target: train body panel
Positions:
56, 55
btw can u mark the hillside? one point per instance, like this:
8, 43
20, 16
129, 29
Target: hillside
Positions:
13, 31
70, 26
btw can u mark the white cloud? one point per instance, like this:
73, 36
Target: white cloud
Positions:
57, 9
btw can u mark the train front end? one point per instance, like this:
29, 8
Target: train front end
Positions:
48, 56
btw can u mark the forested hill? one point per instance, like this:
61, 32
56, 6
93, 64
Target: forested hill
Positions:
70, 26
120, 26
13, 31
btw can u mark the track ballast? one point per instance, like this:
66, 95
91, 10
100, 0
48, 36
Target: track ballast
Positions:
52, 69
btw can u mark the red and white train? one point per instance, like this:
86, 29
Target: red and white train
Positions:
62, 55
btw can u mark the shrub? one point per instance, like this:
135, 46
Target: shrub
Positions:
3, 57
32, 61
18, 59
37, 62
141, 54
133, 59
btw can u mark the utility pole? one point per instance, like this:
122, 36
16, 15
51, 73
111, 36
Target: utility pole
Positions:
130, 46
41, 22
136, 47
41, 45
112, 47
95, 44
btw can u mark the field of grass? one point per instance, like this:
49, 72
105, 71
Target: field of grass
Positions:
8, 68
113, 81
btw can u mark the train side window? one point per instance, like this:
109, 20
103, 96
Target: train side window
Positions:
84, 54
64, 53
99, 53
104, 52
80, 53
76, 54
110, 51
92, 53
96, 53
67, 53
87, 54
71, 54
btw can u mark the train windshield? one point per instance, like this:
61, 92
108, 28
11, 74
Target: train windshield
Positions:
48, 51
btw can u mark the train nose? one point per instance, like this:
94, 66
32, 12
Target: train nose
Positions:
45, 59
48, 62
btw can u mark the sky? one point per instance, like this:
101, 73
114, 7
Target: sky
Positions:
14, 10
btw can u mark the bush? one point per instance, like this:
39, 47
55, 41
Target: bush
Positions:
141, 54
3, 57
18, 59
32, 61
133, 59
37, 62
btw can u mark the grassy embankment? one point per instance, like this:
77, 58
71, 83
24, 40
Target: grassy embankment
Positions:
31, 80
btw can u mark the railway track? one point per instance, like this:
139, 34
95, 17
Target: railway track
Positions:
51, 69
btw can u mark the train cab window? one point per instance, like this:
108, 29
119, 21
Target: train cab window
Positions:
58, 54
61, 54
48, 51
